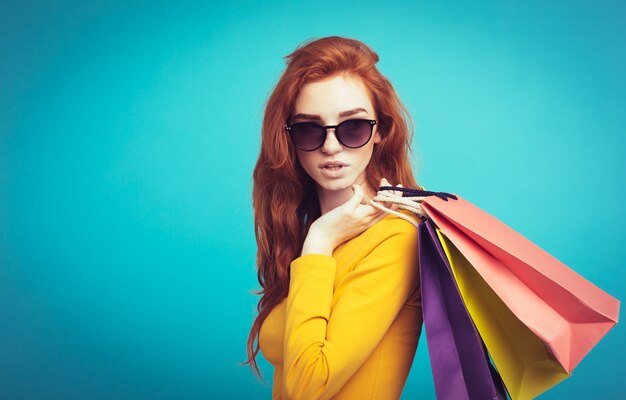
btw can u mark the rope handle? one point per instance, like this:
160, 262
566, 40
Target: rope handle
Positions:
410, 200
419, 192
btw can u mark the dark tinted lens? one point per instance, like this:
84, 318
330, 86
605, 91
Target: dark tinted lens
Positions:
307, 136
354, 132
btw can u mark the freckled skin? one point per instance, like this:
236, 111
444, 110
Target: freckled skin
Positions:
328, 98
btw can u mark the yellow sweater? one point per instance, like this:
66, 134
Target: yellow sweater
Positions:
349, 327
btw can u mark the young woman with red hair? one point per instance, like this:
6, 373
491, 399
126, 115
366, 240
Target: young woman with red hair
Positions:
340, 314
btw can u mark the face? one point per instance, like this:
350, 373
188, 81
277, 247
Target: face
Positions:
325, 102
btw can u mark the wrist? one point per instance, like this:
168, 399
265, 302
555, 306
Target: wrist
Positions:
316, 242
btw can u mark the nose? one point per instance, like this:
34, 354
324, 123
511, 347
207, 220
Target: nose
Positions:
331, 144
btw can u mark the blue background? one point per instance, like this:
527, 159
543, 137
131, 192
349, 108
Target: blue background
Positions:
128, 136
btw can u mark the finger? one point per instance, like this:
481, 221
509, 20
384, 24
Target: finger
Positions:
375, 211
389, 204
367, 210
357, 197
385, 182
398, 192
367, 213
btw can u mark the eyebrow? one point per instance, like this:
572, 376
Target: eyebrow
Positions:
318, 118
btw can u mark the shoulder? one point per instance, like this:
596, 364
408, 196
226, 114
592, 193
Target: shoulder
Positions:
393, 225
392, 233
389, 253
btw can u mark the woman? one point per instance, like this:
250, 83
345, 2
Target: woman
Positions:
340, 313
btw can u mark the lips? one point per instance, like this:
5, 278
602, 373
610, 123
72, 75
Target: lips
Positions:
338, 171
334, 169
333, 164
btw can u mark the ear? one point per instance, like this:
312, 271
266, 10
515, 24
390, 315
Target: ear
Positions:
377, 138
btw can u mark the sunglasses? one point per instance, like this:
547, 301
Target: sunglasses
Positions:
352, 133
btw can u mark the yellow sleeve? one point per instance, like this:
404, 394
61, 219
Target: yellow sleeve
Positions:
324, 347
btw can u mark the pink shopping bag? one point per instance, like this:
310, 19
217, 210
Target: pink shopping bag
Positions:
567, 312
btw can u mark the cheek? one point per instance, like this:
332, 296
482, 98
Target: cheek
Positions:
307, 162
366, 156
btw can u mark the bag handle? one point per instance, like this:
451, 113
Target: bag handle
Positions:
419, 192
410, 200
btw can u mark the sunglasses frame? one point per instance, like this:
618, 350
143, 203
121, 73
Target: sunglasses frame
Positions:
371, 122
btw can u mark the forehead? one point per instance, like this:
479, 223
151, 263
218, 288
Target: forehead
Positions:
330, 96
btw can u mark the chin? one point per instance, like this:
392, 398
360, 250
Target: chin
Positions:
336, 185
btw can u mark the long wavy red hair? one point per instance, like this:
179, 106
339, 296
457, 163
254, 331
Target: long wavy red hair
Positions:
284, 197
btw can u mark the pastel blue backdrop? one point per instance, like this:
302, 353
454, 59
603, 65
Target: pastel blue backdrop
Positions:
128, 136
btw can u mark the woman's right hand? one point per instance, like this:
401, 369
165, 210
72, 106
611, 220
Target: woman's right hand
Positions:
343, 223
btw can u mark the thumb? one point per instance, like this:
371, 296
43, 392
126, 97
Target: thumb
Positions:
357, 197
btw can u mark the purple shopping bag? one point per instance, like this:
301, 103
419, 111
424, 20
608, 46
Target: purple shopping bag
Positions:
459, 361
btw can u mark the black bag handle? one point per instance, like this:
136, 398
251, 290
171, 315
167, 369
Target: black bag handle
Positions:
407, 192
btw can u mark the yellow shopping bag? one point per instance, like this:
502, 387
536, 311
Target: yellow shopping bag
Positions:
526, 366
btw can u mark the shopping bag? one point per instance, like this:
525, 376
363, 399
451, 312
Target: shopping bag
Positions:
524, 363
565, 311
460, 364
537, 300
